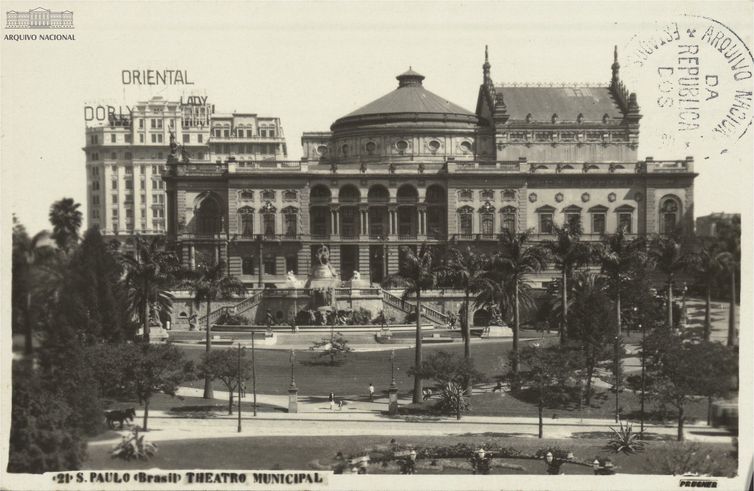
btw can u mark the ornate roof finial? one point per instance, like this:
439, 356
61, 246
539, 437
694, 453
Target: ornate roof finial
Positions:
486, 66
409, 78
615, 66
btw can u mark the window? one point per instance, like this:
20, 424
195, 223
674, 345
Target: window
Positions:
128, 138
465, 195
159, 155
226, 133
93, 139
598, 223
268, 194
159, 138
487, 194
95, 185
509, 219
247, 194
545, 223
624, 222
246, 221
247, 265
573, 217
154, 138
112, 138
115, 212
200, 138
129, 170
186, 138
488, 224
141, 124
249, 133
129, 184
669, 216
291, 263
465, 221
268, 224
290, 221
141, 138
128, 156
269, 265
95, 199
153, 123
143, 185
95, 156
113, 156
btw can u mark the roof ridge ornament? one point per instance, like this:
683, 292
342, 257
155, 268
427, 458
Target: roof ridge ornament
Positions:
410, 78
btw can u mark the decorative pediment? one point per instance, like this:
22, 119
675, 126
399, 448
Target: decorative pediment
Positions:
290, 210
487, 194
487, 208
624, 209
508, 209
268, 208
598, 209
246, 195
545, 209
290, 195
509, 194
246, 210
268, 194
572, 209
465, 209
465, 195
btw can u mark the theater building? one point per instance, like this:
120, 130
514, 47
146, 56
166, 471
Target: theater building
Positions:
411, 167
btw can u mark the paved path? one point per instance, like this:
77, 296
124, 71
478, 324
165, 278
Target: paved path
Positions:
365, 418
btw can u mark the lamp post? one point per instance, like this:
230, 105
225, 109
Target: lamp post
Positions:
683, 306
253, 373
393, 390
239, 387
293, 360
392, 369
292, 389
643, 356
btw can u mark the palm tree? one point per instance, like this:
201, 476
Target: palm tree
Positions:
732, 267
150, 275
569, 253
210, 283
709, 266
466, 270
666, 254
65, 218
618, 257
515, 259
416, 272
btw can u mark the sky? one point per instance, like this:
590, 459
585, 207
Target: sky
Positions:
310, 63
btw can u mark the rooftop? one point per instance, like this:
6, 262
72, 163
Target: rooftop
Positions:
567, 102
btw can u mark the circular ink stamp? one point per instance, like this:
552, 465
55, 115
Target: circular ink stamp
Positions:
693, 75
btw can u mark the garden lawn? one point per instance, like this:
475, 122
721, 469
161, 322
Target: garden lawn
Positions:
310, 452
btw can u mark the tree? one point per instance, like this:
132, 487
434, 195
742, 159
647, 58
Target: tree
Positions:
150, 274
466, 270
150, 369
66, 219
513, 260
709, 265
668, 256
618, 258
681, 370
416, 272
733, 267
210, 283
335, 346
93, 293
591, 323
569, 254
33, 258
548, 373
455, 375
41, 438
223, 366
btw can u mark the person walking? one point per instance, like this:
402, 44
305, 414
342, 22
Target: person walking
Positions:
371, 392
332, 400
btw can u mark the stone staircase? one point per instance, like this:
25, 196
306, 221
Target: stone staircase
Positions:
430, 314
240, 308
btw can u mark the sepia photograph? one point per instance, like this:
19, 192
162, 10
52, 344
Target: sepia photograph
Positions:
372, 245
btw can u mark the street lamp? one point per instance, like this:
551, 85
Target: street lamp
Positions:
293, 360
643, 355
683, 306
239, 387
392, 369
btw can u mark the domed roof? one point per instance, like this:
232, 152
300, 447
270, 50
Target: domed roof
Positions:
409, 102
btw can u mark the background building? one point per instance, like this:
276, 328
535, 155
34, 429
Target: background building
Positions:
706, 226
126, 156
411, 167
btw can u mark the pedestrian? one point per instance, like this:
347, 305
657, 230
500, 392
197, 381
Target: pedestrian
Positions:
332, 400
340, 405
371, 392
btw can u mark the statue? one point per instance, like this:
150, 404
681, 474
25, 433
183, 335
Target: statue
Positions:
356, 276
496, 317
291, 278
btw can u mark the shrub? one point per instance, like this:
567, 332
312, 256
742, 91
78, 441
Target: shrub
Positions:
336, 347
678, 458
452, 400
134, 447
361, 317
228, 319
625, 440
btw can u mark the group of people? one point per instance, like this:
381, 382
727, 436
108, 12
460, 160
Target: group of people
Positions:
332, 400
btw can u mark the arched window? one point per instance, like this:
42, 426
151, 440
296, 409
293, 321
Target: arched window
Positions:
407, 194
669, 211
208, 216
246, 221
349, 194
378, 194
320, 194
509, 218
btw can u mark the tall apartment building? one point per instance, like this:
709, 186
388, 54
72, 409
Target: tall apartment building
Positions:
125, 157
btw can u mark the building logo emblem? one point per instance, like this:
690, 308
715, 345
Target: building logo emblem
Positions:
39, 18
